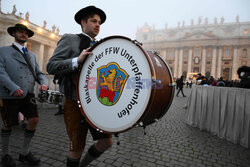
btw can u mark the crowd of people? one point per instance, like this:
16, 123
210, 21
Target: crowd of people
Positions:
244, 82
243, 73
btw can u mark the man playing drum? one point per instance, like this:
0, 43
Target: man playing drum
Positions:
69, 55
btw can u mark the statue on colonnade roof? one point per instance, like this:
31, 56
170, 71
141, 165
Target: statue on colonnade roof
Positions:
14, 10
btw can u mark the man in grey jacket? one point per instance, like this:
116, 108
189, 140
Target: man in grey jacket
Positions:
69, 55
17, 82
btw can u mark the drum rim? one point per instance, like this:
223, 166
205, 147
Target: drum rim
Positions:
152, 70
172, 90
172, 81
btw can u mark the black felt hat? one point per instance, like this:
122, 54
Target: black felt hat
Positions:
89, 9
20, 26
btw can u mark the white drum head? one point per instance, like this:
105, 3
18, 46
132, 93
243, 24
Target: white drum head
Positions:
115, 85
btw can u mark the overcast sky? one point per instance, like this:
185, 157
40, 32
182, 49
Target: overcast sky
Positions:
125, 16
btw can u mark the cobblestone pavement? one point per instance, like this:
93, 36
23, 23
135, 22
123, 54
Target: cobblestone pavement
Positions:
169, 142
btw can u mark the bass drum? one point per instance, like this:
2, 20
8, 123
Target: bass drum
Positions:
121, 86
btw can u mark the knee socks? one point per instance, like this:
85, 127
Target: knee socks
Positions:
72, 162
28, 134
90, 156
5, 135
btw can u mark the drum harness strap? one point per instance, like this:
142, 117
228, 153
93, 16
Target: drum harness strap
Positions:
84, 44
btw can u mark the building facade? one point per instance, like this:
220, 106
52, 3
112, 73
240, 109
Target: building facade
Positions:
217, 49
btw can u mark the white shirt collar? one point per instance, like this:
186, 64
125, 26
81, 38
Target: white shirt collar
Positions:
18, 46
88, 36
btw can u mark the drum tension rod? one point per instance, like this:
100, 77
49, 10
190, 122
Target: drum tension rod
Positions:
137, 42
171, 84
118, 140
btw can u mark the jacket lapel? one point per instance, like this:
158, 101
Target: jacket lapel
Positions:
19, 57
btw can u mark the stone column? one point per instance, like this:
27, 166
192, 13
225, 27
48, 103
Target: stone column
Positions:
219, 63
213, 68
190, 60
40, 56
175, 62
203, 61
235, 64
164, 55
180, 63
50, 51
5, 38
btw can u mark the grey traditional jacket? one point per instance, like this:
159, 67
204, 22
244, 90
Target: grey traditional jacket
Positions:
61, 62
15, 74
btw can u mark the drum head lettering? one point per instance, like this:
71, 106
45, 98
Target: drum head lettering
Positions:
115, 85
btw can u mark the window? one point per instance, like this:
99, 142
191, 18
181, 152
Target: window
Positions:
227, 52
145, 30
244, 53
210, 32
196, 56
185, 53
197, 52
245, 31
228, 32
171, 35
209, 53
159, 37
243, 63
196, 69
171, 52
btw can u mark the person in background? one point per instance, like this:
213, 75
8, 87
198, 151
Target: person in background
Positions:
214, 83
244, 75
60, 110
211, 80
57, 80
180, 86
220, 82
190, 84
204, 81
16, 90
